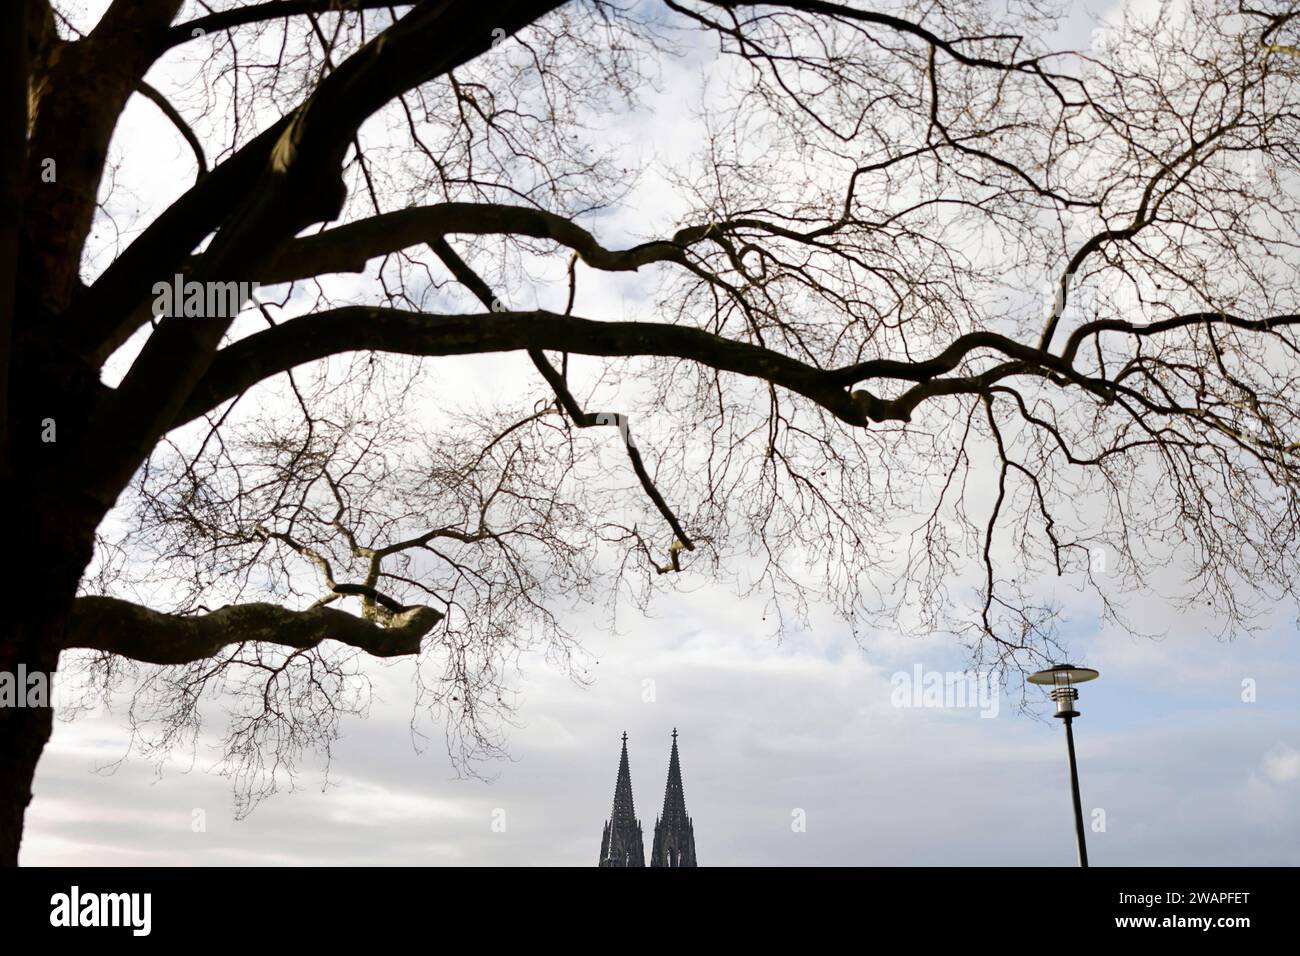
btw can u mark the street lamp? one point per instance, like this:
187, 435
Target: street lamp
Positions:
1062, 679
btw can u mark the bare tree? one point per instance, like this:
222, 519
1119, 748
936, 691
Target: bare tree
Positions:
932, 301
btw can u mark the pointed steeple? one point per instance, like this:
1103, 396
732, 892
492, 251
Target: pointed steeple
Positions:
622, 844
674, 832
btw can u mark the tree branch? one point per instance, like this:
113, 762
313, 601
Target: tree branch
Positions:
301, 185
143, 634
178, 121
897, 24
359, 328
582, 419
348, 248
262, 12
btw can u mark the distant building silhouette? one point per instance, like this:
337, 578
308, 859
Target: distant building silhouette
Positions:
674, 844
674, 833
622, 844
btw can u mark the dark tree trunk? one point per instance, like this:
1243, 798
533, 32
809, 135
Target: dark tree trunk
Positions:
53, 544
24, 731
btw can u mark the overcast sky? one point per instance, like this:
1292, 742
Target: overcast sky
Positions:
1178, 764
1185, 771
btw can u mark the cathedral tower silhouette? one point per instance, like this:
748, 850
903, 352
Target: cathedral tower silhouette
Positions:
674, 833
622, 844
674, 840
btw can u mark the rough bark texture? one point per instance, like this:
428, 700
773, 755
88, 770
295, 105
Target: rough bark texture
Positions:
143, 634
31, 637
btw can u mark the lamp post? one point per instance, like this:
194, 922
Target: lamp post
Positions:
1062, 679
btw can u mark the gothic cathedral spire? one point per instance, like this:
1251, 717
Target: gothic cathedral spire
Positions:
622, 844
674, 833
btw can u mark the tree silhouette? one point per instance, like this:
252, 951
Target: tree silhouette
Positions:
928, 300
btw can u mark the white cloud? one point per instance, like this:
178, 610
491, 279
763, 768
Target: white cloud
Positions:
1282, 764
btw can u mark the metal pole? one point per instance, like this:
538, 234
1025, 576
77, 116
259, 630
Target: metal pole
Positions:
1074, 790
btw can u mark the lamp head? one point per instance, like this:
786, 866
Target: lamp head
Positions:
1062, 678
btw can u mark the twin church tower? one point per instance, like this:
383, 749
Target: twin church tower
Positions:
674, 834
